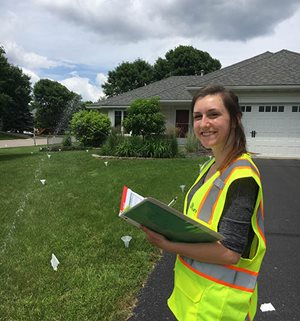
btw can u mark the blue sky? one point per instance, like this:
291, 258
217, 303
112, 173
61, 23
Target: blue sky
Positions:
78, 42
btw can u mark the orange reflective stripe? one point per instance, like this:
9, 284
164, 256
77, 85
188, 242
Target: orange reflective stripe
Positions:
262, 210
241, 167
236, 268
212, 195
219, 275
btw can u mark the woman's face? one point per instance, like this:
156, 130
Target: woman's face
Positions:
212, 122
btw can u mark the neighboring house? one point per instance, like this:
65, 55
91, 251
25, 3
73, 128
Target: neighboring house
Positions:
268, 87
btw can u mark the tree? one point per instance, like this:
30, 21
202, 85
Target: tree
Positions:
185, 61
144, 118
15, 95
54, 105
128, 76
181, 61
90, 127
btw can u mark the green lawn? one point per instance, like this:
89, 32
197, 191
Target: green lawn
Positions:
75, 216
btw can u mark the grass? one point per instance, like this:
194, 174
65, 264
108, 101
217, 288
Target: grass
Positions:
75, 216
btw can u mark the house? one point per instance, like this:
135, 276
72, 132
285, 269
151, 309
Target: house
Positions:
268, 87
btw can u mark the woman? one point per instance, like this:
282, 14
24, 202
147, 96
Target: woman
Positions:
218, 281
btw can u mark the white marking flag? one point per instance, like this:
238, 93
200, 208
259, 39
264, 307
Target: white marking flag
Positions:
265, 307
54, 262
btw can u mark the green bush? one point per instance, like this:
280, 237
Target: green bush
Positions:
90, 128
130, 147
192, 143
173, 144
163, 147
113, 140
136, 146
67, 141
144, 118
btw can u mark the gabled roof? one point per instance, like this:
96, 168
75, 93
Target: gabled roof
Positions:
279, 69
268, 69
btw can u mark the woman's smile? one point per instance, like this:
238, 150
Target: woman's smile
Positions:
211, 122
207, 134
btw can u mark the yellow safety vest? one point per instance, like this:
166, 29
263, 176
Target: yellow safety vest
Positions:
214, 292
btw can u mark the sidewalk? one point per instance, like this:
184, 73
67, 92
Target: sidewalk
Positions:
23, 142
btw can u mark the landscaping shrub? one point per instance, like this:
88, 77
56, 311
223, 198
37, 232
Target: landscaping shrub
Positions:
91, 128
67, 141
192, 143
113, 140
136, 146
130, 147
144, 118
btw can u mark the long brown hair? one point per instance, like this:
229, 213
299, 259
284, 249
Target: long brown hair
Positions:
231, 103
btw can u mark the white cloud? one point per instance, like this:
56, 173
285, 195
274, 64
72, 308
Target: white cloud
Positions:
17, 55
33, 76
52, 38
101, 79
83, 87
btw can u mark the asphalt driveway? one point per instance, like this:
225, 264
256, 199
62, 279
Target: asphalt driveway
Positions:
279, 281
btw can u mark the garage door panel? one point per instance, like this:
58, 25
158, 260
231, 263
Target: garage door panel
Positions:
277, 133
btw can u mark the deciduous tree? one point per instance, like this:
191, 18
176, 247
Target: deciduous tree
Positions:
15, 96
128, 76
181, 61
185, 61
54, 105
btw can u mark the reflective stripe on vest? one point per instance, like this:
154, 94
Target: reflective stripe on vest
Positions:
209, 201
195, 188
260, 222
228, 275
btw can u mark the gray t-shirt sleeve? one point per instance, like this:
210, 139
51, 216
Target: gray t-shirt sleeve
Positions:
235, 223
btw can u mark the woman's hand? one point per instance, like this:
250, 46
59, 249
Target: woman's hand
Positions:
155, 238
205, 252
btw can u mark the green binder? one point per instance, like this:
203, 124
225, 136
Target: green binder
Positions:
169, 222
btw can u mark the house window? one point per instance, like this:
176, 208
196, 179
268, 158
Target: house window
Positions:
120, 115
246, 109
182, 122
274, 109
118, 118
295, 109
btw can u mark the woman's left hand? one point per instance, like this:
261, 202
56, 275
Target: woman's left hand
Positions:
155, 238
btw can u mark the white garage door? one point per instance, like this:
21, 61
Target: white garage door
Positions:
273, 130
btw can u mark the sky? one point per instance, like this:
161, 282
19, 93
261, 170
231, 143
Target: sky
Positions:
76, 42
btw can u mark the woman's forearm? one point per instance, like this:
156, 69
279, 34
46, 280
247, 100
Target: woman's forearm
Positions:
204, 252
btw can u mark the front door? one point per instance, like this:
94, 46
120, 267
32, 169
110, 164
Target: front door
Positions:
182, 122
